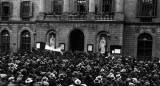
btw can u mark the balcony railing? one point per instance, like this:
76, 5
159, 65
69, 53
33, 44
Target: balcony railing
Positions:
53, 17
77, 17
104, 17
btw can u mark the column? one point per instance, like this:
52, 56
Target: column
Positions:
91, 15
42, 6
119, 5
66, 6
119, 10
92, 6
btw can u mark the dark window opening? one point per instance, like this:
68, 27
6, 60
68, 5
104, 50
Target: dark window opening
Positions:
145, 20
26, 10
107, 7
5, 40
6, 11
81, 8
57, 7
25, 41
144, 47
147, 8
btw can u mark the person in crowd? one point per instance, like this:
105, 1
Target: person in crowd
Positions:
48, 68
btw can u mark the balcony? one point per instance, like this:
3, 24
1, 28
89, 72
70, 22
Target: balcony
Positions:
53, 17
77, 17
104, 17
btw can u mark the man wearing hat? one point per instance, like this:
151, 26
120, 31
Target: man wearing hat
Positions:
3, 81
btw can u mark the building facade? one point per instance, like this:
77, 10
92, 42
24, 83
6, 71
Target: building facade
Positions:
128, 27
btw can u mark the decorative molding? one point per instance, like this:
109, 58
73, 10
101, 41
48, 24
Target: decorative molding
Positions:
138, 30
6, 28
25, 28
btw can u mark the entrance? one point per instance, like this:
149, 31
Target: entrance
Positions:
76, 40
144, 47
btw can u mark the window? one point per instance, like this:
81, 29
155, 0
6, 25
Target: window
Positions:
5, 40
26, 10
26, 40
57, 6
82, 6
147, 8
108, 7
144, 47
6, 10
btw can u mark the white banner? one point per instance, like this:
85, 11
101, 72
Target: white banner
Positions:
51, 49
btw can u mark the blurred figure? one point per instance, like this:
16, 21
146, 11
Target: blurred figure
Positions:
102, 45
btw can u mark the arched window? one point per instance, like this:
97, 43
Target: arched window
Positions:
5, 40
51, 39
144, 47
26, 40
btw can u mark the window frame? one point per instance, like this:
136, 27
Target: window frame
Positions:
111, 9
142, 46
26, 41
26, 10
59, 12
85, 10
5, 40
143, 6
5, 17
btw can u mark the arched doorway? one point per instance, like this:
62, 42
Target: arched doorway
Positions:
144, 47
76, 40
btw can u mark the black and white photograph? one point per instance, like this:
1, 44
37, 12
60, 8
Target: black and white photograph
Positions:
79, 42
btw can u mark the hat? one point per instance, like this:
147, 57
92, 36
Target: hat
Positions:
19, 79
3, 75
83, 85
77, 81
11, 78
99, 78
38, 77
43, 73
123, 70
128, 79
45, 78
118, 75
28, 80
131, 84
52, 75
111, 75
45, 83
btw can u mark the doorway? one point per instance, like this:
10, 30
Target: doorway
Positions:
76, 40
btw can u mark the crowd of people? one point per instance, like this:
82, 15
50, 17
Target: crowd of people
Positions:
48, 68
